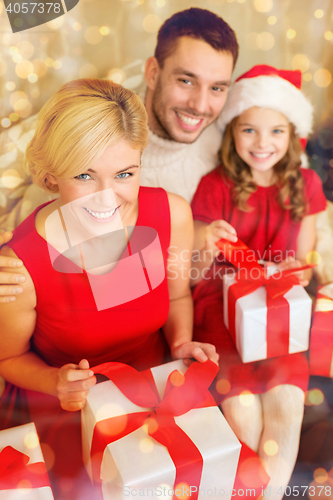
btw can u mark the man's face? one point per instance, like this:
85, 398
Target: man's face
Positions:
191, 89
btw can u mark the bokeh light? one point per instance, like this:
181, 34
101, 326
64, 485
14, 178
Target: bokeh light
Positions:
183, 491
322, 77
11, 179
263, 5
47, 451
104, 30
57, 64
300, 61
49, 62
32, 78
315, 397
319, 13
146, 445
25, 49
77, 26
40, 67
10, 86
272, 20
324, 305
57, 23
307, 77
5, 122
313, 257
35, 93
271, 447
223, 386
151, 23
328, 35
17, 58
31, 440
25, 484
93, 35
14, 117
265, 40
291, 33
177, 378
117, 75
246, 398
320, 475
109, 409
160, 3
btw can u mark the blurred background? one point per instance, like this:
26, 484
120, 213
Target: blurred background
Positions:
98, 37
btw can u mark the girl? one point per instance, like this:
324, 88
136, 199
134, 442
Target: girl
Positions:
262, 196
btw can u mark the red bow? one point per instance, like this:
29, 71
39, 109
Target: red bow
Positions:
252, 276
178, 399
15, 467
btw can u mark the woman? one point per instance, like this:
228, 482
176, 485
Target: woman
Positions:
87, 146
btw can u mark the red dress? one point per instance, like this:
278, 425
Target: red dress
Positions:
270, 232
70, 328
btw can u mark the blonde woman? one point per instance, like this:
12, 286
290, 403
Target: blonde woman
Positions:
87, 147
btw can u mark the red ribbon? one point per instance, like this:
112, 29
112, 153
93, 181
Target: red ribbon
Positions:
178, 399
321, 341
15, 467
252, 276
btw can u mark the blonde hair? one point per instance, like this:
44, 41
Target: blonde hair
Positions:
289, 177
78, 122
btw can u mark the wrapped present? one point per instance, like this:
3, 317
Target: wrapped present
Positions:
267, 315
23, 473
158, 433
321, 343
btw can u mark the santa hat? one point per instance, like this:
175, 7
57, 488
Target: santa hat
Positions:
267, 87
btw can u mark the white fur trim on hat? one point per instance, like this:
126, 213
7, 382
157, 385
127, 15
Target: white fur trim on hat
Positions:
271, 92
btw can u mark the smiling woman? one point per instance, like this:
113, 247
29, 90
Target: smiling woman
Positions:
87, 146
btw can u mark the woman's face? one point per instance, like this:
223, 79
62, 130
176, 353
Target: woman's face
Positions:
261, 140
103, 197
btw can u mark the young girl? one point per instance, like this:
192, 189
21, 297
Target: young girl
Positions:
262, 196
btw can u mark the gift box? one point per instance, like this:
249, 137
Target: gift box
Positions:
266, 311
23, 473
321, 343
168, 437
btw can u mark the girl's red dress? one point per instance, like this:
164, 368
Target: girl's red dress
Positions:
69, 328
272, 234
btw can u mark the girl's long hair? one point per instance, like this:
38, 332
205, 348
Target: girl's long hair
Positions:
289, 177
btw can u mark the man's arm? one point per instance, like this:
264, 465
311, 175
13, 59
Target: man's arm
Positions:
9, 280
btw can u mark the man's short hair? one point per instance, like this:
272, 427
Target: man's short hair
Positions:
200, 24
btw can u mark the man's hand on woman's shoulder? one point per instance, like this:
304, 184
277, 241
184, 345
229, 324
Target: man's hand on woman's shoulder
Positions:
9, 279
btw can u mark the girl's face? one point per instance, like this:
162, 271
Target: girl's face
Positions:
261, 139
105, 195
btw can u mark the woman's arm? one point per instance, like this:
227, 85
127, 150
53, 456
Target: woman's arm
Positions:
205, 251
179, 326
22, 367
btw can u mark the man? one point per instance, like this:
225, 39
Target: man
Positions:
187, 82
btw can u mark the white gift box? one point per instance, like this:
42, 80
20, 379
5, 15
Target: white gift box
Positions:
24, 439
137, 465
251, 320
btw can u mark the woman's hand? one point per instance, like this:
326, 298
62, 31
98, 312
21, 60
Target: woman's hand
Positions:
195, 350
73, 385
215, 231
